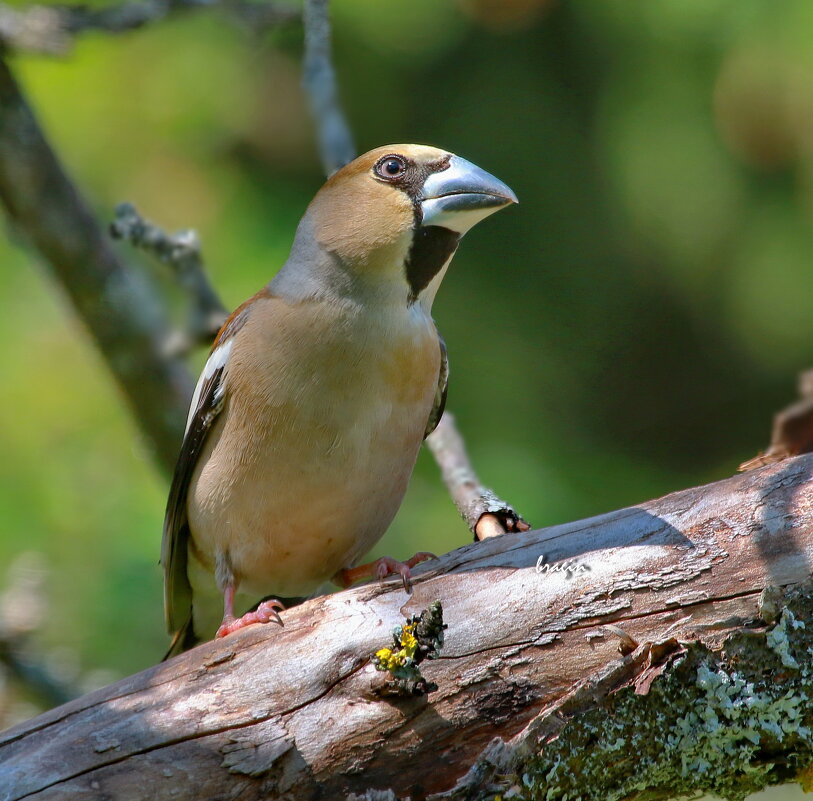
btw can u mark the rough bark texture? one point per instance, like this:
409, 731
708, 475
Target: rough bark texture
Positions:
715, 697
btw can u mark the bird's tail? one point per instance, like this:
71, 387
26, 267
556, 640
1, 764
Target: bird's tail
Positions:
183, 639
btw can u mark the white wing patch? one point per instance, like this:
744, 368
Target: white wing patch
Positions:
216, 361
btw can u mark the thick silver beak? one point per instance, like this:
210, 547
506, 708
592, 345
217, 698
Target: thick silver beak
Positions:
461, 195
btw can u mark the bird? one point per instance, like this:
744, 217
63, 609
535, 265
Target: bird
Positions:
307, 419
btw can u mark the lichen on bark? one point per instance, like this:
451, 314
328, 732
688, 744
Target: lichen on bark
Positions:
727, 722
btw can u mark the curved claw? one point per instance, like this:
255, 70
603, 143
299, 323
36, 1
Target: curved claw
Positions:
381, 568
266, 612
404, 568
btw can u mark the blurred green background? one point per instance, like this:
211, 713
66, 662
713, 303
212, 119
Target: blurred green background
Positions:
626, 331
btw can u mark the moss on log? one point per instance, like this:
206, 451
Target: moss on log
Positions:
725, 722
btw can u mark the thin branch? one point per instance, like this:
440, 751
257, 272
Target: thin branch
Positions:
51, 30
182, 252
485, 513
121, 309
336, 147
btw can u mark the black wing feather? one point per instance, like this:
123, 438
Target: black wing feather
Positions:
440, 392
177, 590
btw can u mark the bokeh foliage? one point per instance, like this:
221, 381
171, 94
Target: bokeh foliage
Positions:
627, 330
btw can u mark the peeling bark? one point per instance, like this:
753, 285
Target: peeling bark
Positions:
290, 714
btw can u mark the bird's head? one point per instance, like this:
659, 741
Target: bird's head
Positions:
394, 217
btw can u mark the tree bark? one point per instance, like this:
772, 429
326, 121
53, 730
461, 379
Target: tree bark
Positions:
531, 659
120, 309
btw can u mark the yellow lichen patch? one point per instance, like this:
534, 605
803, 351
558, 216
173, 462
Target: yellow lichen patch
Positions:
390, 660
421, 637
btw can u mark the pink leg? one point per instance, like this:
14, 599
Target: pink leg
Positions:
266, 612
381, 568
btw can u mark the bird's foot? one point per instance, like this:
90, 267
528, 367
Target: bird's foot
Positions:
266, 612
381, 568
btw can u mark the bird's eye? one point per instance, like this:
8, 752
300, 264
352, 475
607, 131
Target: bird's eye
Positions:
390, 167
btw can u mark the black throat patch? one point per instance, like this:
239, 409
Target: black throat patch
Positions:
432, 246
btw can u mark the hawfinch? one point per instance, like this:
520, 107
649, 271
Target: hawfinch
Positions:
306, 422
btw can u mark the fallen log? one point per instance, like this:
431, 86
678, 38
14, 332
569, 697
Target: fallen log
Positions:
534, 699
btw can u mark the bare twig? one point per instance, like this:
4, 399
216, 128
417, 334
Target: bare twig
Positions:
51, 29
182, 252
121, 309
336, 147
485, 514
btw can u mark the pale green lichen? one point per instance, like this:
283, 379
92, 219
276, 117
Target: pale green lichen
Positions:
729, 721
726, 724
778, 638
